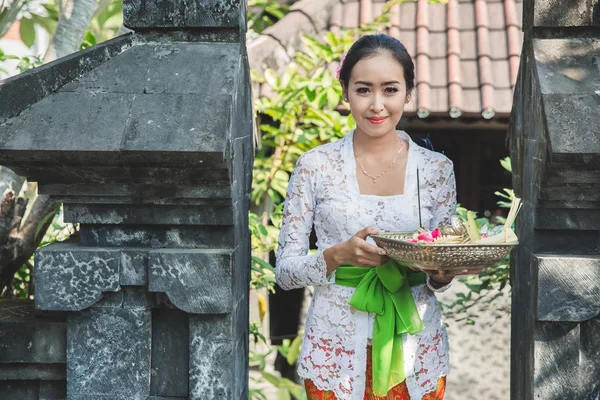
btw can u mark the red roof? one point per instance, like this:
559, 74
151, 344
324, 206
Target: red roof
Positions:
466, 52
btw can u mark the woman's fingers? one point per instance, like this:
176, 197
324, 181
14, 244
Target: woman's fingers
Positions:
368, 231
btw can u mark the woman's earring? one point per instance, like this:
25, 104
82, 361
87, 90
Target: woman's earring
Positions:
407, 100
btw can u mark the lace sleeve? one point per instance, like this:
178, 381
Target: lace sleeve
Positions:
445, 204
295, 268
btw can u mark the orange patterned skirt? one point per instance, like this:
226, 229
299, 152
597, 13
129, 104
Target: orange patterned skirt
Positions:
398, 392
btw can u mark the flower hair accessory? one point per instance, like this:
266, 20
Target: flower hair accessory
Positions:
339, 68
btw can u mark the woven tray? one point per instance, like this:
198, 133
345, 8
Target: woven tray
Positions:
441, 256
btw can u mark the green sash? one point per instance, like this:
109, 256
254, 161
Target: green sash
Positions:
385, 291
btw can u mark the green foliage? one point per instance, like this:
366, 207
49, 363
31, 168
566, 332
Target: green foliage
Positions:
58, 231
105, 23
264, 13
489, 285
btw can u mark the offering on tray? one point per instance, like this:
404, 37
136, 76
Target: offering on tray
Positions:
465, 231
460, 245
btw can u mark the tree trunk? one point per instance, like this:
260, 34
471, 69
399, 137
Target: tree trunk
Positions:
18, 238
72, 25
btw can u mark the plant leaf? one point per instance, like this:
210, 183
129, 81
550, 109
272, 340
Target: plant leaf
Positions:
27, 31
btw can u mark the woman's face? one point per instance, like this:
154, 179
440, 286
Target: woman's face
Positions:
377, 94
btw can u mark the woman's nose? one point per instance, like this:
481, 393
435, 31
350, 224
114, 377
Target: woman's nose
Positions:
377, 104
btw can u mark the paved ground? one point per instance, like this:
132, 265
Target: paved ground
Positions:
479, 354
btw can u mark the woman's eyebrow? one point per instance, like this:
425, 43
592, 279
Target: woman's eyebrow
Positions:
371, 84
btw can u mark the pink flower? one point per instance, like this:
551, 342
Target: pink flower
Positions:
436, 234
339, 68
426, 237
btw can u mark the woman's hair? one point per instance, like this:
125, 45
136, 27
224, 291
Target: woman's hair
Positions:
371, 45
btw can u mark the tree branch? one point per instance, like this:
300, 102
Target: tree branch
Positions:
72, 25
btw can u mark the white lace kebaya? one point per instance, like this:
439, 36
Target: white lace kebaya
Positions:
323, 191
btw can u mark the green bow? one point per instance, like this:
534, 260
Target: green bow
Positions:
385, 291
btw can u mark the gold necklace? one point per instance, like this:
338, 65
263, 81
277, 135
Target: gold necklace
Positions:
387, 169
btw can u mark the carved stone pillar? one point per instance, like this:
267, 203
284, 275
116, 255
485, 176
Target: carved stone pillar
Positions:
147, 141
555, 150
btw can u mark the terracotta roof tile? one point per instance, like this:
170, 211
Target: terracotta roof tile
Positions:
468, 44
499, 46
466, 52
408, 11
366, 11
496, 12
437, 18
409, 40
440, 77
350, 15
438, 46
501, 74
337, 15
455, 82
467, 15
469, 72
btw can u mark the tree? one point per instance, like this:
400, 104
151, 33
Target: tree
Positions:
22, 228
24, 219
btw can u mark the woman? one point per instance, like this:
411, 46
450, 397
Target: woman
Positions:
348, 190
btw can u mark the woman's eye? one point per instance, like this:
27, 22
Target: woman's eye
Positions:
391, 90
362, 90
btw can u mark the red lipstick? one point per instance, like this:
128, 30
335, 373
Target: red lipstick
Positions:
377, 120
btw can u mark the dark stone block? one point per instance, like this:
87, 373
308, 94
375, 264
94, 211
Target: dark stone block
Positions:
568, 242
71, 278
570, 204
139, 14
26, 337
579, 193
33, 390
523, 276
198, 237
33, 372
567, 66
173, 124
556, 361
110, 300
589, 375
568, 287
571, 118
212, 361
216, 174
562, 13
139, 191
138, 297
196, 281
145, 214
134, 268
109, 354
170, 353
194, 77
570, 219
20, 91
53, 390
21, 390
102, 112
565, 174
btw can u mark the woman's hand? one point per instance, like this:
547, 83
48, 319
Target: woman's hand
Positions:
355, 251
441, 278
